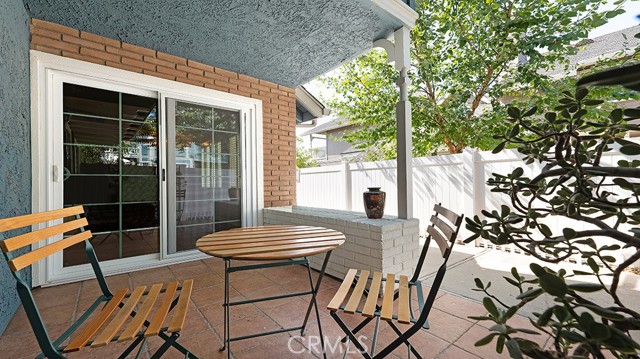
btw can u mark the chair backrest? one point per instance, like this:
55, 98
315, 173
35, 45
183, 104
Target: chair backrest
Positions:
73, 228
444, 228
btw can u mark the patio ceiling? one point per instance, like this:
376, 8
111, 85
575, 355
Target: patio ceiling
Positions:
286, 42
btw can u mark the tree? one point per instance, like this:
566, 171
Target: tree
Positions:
304, 156
578, 184
467, 57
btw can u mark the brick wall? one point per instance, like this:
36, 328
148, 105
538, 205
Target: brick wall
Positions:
278, 102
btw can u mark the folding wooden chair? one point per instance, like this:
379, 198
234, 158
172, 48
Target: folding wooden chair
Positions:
444, 235
135, 305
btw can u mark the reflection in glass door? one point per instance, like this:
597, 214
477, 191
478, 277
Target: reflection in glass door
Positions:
111, 167
204, 176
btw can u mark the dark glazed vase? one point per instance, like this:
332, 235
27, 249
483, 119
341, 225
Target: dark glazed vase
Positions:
374, 202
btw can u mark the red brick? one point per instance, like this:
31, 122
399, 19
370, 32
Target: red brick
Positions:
48, 42
138, 49
171, 71
83, 42
226, 85
77, 56
190, 70
121, 66
160, 62
172, 58
199, 78
189, 81
226, 73
138, 63
99, 39
199, 65
45, 33
99, 54
54, 27
124, 53
46, 49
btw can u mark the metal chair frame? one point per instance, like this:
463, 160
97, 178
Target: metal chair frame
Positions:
421, 322
54, 349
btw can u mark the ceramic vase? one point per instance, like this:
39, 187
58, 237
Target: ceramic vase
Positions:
374, 200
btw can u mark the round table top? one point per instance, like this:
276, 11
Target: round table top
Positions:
273, 242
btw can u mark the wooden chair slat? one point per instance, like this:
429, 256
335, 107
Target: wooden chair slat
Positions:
447, 213
267, 242
120, 318
352, 304
288, 254
403, 300
443, 244
17, 242
263, 249
369, 308
143, 312
8, 224
95, 325
180, 310
38, 254
163, 309
338, 298
443, 226
387, 302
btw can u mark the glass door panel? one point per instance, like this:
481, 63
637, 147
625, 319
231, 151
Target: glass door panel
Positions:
111, 167
204, 172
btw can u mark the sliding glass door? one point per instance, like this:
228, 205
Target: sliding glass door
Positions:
204, 172
110, 149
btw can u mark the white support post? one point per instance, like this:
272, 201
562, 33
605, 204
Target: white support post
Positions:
403, 121
346, 176
398, 52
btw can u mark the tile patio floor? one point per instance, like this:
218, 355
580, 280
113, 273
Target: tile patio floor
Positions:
452, 335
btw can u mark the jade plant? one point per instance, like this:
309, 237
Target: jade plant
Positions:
576, 182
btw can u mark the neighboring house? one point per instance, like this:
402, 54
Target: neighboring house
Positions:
326, 143
165, 122
613, 45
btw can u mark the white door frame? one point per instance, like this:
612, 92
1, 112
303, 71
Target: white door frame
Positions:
47, 74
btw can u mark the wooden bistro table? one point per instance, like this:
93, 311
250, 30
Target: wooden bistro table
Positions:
280, 245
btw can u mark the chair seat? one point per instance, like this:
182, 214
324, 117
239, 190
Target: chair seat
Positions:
370, 308
137, 306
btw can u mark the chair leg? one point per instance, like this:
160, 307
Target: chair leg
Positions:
375, 337
359, 327
399, 333
131, 347
350, 334
163, 348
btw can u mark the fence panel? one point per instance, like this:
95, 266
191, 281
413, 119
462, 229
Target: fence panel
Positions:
457, 181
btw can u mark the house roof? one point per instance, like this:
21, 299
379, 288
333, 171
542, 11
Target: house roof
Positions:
308, 107
334, 123
600, 47
285, 42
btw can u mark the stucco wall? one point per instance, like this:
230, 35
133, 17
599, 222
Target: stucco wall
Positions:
15, 152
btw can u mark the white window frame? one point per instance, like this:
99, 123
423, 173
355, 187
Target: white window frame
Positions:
47, 71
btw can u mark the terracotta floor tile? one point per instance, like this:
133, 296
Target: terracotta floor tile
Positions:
453, 352
474, 334
152, 276
459, 306
447, 326
66, 294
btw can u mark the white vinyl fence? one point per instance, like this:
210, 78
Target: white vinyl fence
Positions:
457, 181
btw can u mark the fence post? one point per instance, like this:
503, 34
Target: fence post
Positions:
468, 188
346, 180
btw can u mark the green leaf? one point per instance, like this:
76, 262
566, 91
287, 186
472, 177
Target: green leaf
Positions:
531, 294
553, 285
630, 150
513, 112
490, 307
486, 340
603, 312
569, 233
514, 349
581, 93
545, 230
586, 287
544, 318
499, 147
479, 283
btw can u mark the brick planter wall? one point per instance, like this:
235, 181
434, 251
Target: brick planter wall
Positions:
388, 245
278, 102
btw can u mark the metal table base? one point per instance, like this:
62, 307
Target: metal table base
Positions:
228, 269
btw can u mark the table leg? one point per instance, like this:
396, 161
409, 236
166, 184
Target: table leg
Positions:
226, 326
314, 303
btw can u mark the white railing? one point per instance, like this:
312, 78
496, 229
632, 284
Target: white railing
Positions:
457, 181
